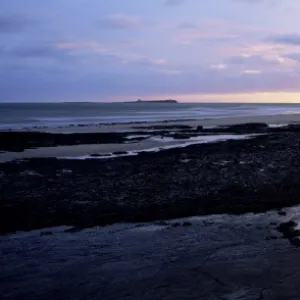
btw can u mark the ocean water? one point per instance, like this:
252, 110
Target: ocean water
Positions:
20, 115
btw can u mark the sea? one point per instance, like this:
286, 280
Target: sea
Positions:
28, 115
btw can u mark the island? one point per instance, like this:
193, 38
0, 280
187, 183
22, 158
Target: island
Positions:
157, 101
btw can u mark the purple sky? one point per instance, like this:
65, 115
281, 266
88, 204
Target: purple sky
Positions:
191, 50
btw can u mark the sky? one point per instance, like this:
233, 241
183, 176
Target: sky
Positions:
123, 50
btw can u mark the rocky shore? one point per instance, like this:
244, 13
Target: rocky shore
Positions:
18, 141
232, 177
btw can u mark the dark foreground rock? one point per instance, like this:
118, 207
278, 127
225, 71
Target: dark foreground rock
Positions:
19, 141
289, 231
120, 152
248, 127
229, 177
215, 258
241, 128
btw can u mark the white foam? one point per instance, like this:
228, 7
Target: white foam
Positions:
211, 127
130, 137
277, 125
164, 139
202, 139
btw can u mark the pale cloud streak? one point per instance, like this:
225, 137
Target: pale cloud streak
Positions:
120, 21
288, 39
174, 2
13, 23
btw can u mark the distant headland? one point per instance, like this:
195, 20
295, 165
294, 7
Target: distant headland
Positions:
157, 101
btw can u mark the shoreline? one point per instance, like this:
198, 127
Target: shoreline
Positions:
273, 119
107, 151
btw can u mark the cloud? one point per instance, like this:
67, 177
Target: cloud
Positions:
251, 72
181, 2
289, 39
294, 56
113, 54
206, 30
132, 43
170, 71
173, 2
75, 45
93, 54
40, 51
219, 66
188, 25
255, 60
256, 1
13, 24
190, 35
255, 64
37, 55
140, 60
120, 21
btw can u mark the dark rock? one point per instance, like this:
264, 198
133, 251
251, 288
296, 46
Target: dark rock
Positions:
46, 233
175, 224
281, 213
248, 127
286, 226
120, 152
289, 231
96, 155
288, 128
186, 224
66, 171
295, 242
74, 229
178, 136
30, 173
199, 128
19, 141
273, 223
143, 153
162, 223
273, 237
